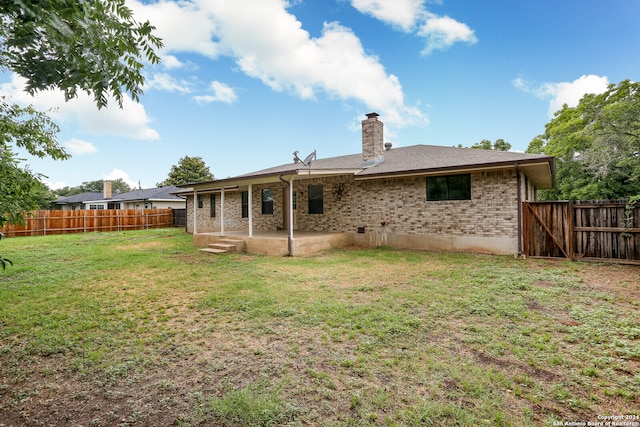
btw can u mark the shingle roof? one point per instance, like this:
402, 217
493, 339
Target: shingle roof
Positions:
433, 157
415, 159
160, 193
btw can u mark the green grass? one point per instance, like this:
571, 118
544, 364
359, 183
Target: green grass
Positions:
140, 328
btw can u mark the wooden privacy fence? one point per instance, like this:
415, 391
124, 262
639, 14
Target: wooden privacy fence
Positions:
604, 230
42, 223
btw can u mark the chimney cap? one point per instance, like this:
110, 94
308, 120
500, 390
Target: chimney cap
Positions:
372, 115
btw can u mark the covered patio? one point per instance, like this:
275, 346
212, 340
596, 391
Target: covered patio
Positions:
277, 243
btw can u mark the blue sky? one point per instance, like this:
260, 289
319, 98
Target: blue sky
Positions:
245, 83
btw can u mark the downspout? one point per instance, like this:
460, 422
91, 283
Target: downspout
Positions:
519, 196
250, 209
290, 216
195, 217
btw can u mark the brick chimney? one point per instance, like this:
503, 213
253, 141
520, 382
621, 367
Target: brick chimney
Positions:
372, 137
107, 190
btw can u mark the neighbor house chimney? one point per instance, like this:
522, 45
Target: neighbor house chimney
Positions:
372, 145
107, 190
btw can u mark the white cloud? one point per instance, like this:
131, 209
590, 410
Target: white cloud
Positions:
182, 26
221, 93
55, 185
562, 93
168, 83
130, 121
442, 32
170, 62
79, 147
439, 32
120, 174
269, 43
402, 13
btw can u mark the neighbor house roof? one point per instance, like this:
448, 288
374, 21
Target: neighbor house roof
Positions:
150, 194
77, 198
408, 161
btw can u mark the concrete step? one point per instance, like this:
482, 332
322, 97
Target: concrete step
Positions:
238, 243
214, 251
228, 247
231, 241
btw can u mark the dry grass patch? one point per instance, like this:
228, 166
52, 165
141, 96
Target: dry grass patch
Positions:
141, 329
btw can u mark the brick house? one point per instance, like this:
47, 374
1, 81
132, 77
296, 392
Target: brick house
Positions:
415, 197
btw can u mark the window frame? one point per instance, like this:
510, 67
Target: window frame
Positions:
449, 189
316, 204
267, 201
244, 204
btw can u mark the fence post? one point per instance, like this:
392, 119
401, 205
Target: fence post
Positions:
570, 232
84, 223
147, 220
44, 225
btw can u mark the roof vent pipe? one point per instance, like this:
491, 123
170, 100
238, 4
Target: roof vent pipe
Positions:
387, 146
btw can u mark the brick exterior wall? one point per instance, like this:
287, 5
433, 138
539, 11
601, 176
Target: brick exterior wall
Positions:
400, 203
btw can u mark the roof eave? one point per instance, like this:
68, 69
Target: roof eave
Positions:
540, 182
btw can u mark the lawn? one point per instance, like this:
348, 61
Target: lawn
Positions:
139, 328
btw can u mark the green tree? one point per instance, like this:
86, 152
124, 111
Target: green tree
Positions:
499, 145
118, 186
595, 145
485, 144
188, 169
91, 46
20, 189
94, 46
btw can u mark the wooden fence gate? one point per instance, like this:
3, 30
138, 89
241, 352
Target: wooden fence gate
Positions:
179, 217
605, 230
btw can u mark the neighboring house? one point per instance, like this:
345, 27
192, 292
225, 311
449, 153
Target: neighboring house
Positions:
76, 202
150, 198
415, 197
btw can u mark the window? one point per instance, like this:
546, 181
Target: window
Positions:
267, 201
213, 206
245, 204
316, 199
113, 205
295, 201
450, 187
200, 202
96, 207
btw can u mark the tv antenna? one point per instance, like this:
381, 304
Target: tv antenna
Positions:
307, 160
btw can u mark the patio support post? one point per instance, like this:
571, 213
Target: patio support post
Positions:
250, 213
291, 210
195, 217
222, 211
